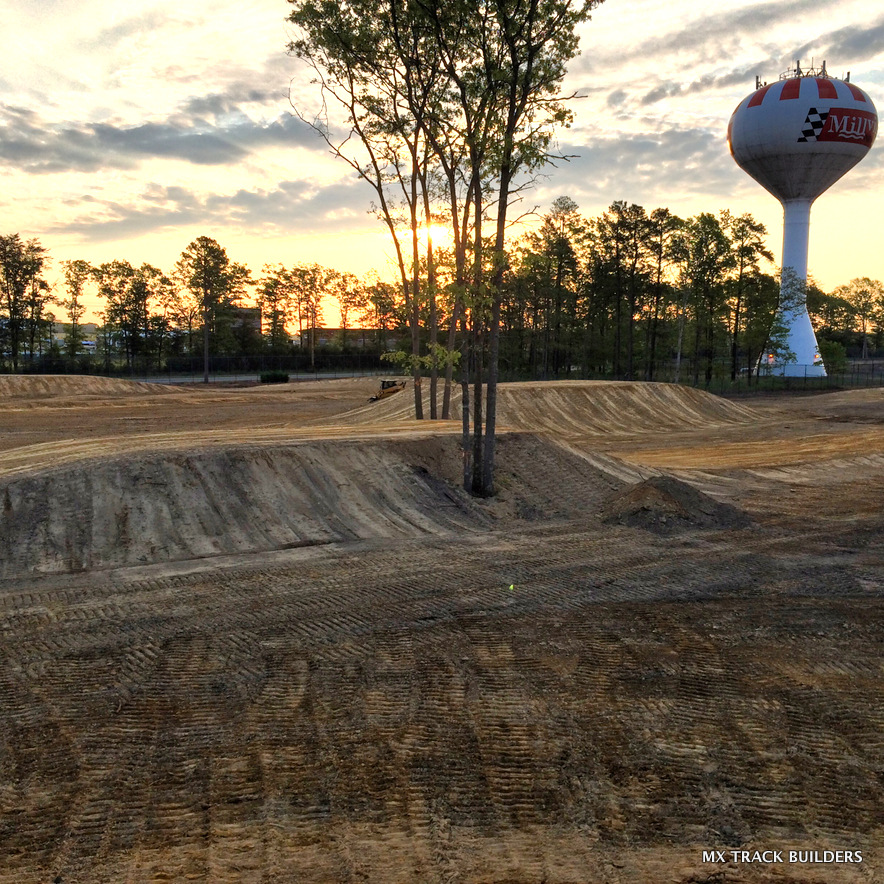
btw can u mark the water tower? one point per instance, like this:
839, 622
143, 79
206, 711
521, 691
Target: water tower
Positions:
796, 137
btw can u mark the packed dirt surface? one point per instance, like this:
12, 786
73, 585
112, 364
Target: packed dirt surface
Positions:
260, 634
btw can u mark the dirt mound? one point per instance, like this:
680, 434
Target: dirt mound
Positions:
175, 505
183, 505
663, 504
579, 408
49, 386
615, 407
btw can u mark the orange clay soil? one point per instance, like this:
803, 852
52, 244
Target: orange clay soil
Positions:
260, 634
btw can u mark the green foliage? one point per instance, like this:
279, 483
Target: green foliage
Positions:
76, 275
438, 356
24, 295
834, 355
404, 361
865, 300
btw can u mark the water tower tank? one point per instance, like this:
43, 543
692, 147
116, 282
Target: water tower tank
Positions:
796, 137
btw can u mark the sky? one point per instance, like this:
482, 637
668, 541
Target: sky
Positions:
127, 130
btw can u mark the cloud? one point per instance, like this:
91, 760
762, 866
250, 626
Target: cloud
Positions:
855, 42
294, 206
34, 145
646, 168
220, 104
164, 140
123, 31
742, 76
706, 33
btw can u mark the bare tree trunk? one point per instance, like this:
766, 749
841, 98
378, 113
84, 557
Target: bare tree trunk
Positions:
681, 323
478, 358
735, 341
449, 365
494, 343
205, 339
465, 404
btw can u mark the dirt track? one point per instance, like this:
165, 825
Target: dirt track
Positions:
260, 635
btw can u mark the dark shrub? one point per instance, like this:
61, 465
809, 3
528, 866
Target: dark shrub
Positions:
277, 376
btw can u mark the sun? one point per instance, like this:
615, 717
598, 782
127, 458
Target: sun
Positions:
439, 234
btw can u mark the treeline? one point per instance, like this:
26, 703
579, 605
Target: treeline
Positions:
633, 294
206, 305
629, 294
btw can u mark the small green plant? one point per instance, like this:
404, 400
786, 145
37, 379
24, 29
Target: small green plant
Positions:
834, 356
276, 376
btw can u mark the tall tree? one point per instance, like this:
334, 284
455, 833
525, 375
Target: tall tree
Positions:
311, 284
406, 73
131, 293
382, 310
278, 299
746, 237
208, 273
21, 268
547, 272
866, 298
663, 227
538, 38
363, 54
623, 236
76, 274
708, 259
352, 299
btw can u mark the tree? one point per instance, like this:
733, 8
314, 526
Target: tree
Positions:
746, 237
663, 229
707, 260
206, 271
76, 275
363, 54
351, 297
762, 299
623, 234
382, 307
21, 288
310, 284
39, 322
546, 279
473, 88
130, 293
866, 299
831, 314
278, 299
537, 39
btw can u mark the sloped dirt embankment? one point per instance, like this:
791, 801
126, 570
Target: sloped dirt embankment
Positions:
579, 408
165, 507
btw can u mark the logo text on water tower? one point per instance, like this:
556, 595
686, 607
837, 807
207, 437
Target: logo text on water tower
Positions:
845, 124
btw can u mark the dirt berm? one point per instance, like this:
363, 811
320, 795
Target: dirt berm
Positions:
169, 506
569, 408
67, 387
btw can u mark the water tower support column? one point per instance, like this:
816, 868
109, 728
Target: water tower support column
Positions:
801, 339
796, 235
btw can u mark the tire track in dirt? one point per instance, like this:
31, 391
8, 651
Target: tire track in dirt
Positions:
469, 726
